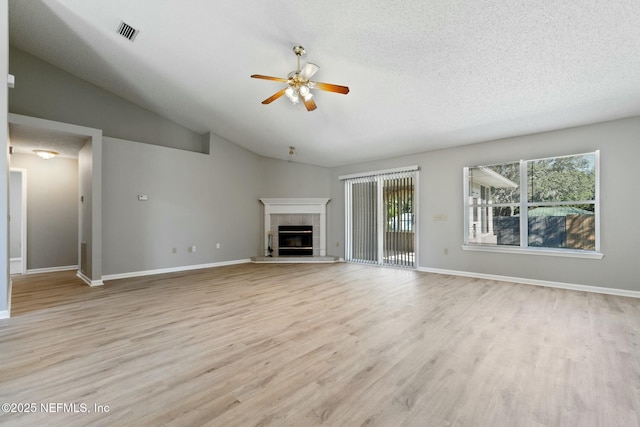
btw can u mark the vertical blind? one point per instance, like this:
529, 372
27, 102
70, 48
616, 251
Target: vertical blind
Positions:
398, 220
363, 233
380, 218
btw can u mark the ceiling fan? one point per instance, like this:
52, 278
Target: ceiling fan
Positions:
299, 86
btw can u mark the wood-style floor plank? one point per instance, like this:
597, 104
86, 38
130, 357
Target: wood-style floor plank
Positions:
304, 344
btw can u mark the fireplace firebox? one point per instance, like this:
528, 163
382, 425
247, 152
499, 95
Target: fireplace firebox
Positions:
295, 240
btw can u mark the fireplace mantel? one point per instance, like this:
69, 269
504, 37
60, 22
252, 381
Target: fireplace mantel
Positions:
296, 206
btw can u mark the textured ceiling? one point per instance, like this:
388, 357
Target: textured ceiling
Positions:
423, 74
25, 139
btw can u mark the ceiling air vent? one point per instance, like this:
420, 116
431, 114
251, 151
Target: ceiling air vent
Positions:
127, 31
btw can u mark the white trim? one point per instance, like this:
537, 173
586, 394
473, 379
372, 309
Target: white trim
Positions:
52, 269
568, 253
7, 312
381, 172
317, 201
15, 266
535, 282
348, 249
524, 205
416, 218
172, 269
284, 260
597, 196
524, 210
465, 204
88, 281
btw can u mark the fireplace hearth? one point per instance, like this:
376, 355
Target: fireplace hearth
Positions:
295, 240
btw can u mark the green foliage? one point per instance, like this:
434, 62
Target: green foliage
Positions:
561, 179
398, 200
508, 194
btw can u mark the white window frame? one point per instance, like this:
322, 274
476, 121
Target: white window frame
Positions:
524, 203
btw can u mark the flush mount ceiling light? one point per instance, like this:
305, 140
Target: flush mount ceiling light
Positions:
300, 86
46, 154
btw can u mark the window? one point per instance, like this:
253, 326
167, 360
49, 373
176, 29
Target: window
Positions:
548, 205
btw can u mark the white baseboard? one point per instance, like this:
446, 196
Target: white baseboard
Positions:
545, 283
52, 269
10, 296
88, 281
5, 314
172, 269
15, 265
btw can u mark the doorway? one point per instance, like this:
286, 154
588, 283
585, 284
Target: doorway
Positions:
89, 194
52, 212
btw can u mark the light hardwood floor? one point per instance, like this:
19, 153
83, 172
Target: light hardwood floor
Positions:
331, 344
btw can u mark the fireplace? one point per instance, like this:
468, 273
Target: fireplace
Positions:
280, 212
295, 240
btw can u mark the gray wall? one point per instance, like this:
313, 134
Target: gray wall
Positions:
193, 200
45, 91
291, 179
440, 192
52, 210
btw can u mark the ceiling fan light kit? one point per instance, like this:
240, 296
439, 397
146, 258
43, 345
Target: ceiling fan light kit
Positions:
299, 86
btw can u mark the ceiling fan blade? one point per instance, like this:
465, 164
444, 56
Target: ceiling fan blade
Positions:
309, 103
277, 79
308, 71
274, 96
330, 88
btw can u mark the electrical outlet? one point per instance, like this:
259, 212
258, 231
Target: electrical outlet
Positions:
192, 248
217, 245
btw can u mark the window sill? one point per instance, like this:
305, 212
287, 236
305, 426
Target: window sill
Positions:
569, 253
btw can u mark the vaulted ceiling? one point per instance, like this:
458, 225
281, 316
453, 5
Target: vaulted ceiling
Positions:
423, 74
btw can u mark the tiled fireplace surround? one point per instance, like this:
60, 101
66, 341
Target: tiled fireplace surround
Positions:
296, 211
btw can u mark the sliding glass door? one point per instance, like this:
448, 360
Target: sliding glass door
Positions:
380, 218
